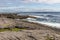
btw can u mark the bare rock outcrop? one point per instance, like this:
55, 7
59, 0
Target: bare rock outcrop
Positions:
29, 35
31, 31
6, 22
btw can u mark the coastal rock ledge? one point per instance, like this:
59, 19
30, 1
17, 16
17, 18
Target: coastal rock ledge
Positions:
29, 35
14, 27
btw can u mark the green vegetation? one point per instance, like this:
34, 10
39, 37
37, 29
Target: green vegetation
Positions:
11, 29
49, 38
5, 25
17, 29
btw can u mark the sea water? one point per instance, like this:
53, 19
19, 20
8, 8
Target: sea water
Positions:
48, 18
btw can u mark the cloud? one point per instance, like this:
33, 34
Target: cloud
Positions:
12, 7
42, 1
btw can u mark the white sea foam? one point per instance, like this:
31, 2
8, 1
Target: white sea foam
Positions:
39, 16
55, 25
31, 19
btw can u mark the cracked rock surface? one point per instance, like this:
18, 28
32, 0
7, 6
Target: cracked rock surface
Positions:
33, 31
29, 35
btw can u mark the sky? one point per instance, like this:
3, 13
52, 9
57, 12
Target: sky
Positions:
29, 5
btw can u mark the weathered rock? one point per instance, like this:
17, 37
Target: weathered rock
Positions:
33, 31
6, 22
29, 35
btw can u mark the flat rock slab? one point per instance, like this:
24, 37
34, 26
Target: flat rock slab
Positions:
29, 35
6, 22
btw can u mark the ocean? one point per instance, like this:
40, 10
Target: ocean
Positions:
46, 18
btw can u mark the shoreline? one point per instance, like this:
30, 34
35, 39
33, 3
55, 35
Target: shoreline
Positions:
56, 25
21, 17
40, 31
30, 30
45, 27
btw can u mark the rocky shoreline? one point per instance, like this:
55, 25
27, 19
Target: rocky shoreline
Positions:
30, 30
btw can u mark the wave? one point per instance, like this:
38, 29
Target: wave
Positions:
48, 18
33, 19
38, 16
55, 25
51, 19
46, 15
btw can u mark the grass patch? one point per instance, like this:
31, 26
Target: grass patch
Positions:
5, 25
17, 29
11, 29
50, 38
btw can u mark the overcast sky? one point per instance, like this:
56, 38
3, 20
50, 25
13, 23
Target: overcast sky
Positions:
29, 5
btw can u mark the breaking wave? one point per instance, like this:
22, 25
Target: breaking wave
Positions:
48, 18
51, 20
